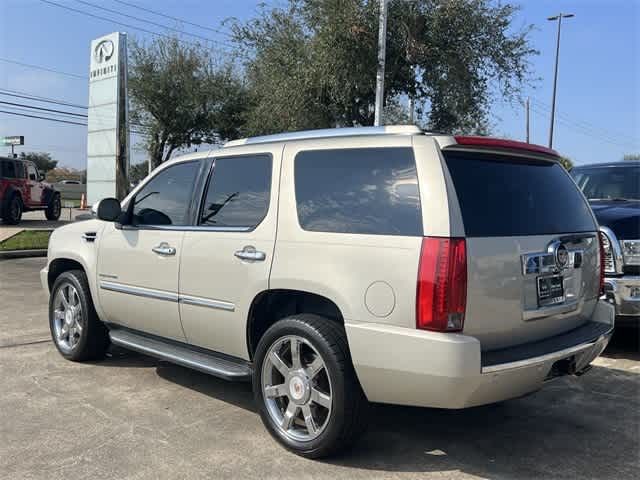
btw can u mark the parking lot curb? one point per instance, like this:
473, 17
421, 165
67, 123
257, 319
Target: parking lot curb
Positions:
22, 254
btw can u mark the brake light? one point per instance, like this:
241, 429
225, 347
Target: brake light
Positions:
601, 241
490, 142
441, 297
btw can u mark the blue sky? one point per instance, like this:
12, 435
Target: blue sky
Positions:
598, 100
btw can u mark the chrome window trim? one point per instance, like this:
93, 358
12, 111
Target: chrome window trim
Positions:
167, 296
187, 228
616, 249
207, 302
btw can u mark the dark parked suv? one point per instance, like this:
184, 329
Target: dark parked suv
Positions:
613, 190
22, 189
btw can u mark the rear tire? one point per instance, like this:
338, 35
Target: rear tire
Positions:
12, 213
75, 327
313, 406
54, 208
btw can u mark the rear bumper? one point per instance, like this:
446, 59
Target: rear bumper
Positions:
618, 291
411, 367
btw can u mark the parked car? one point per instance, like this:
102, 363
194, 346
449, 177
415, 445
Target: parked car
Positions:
70, 182
613, 190
335, 267
23, 189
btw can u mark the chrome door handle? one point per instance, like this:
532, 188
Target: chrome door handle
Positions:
164, 249
250, 253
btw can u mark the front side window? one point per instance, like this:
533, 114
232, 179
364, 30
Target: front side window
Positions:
238, 192
362, 190
166, 198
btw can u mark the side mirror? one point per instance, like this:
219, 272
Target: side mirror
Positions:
41, 177
109, 209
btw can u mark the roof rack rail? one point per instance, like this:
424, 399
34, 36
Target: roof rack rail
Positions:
328, 133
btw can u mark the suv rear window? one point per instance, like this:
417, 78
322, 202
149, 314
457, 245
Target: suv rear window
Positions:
504, 196
360, 190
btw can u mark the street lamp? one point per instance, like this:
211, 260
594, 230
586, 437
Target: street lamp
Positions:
559, 18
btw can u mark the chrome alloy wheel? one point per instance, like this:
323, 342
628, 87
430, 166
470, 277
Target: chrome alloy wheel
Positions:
67, 317
296, 388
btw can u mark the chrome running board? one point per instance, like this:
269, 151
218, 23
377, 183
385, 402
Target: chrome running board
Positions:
211, 363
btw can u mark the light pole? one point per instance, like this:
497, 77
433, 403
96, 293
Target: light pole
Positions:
382, 42
559, 18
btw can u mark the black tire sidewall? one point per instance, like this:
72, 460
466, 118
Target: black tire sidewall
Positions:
296, 326
79, 351
9, 216
50, 212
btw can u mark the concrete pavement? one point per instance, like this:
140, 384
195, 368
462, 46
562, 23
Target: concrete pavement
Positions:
135, 417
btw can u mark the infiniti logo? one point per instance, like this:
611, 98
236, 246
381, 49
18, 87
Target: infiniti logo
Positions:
103, 51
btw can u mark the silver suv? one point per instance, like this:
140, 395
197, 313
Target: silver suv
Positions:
336, 267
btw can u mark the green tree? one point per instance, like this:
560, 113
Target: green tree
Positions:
312, 63
137, 172
42, 160
181, 97
631, 156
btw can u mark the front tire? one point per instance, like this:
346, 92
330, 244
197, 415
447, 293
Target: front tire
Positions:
12, 213
54, 209
75, 327
306, 388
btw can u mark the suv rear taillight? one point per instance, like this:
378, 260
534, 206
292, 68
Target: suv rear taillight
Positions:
602, 239
441, 296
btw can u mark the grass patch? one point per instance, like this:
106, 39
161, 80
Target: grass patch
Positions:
27, 240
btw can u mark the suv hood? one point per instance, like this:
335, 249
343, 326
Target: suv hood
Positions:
621, 216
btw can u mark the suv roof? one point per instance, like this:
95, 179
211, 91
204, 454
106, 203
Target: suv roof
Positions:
328, 133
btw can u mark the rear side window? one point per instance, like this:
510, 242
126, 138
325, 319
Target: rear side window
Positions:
361, 190
8, 169
238, 192
510, 196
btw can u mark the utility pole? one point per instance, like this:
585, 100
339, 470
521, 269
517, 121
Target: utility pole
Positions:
526, 113
382, 43
559, 18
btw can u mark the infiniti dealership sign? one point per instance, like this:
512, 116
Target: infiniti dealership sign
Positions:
108, 132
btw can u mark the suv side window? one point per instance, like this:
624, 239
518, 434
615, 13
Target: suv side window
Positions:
166, 198
361, 190
8, 169
238, 192
33, 174
20, 170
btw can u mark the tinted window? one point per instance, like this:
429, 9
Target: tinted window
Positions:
502, 196
8, 169
238, 192
606, 183
165, 200
20, 170
364, 190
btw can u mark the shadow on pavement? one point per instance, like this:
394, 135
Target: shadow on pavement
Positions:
587, 427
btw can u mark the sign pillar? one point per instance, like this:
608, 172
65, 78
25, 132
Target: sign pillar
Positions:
108, 122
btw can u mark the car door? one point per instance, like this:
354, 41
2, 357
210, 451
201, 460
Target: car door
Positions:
34, 186
138, 263
226, 259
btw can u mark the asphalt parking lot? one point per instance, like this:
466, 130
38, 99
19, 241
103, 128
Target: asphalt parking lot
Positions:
134, 417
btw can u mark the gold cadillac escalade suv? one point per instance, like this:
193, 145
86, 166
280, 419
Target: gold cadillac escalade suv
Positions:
335, 267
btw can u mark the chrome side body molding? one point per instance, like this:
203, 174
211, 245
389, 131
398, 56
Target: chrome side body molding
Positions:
167, 296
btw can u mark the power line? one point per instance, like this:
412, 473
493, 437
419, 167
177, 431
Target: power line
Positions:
110, 20
181, 20
42, 118
43, 68
37, 98
44, 109
152, 23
